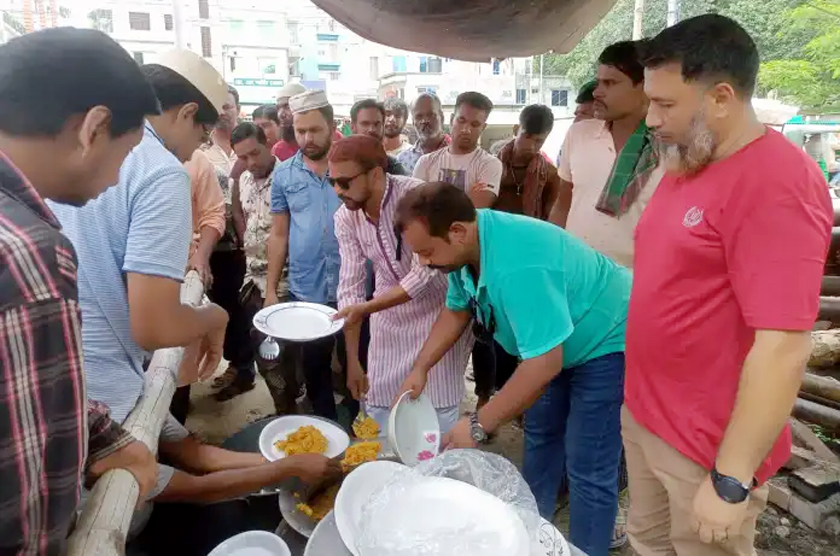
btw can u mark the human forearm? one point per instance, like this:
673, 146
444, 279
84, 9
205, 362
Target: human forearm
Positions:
352, 337
482, 198
191, 455
237, 213
447, 329
562, 204
206, 242
521, 390
225, 485
767, 391
276, 252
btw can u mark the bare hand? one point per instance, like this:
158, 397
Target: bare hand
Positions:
313, 469
357, 381
353, 314
458, 437
201, 264
415, 383
202, 358
134, 458
238, 167
714, 519
270, 299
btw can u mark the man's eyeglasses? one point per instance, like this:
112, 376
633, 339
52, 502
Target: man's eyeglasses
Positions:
344, 183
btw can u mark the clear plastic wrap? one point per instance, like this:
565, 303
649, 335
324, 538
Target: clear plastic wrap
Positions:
489, 472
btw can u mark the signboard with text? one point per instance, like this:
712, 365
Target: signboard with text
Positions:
257, 82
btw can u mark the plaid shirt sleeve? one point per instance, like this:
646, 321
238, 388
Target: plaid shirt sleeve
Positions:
104, 435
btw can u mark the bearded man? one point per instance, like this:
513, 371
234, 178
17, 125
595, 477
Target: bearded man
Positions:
729, 257
302, 206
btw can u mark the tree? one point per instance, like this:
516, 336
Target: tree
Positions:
799, 43
811, 78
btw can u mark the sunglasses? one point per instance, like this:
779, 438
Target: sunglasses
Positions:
344, 183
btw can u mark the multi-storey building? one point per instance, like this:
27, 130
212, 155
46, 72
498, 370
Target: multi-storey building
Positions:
18, 17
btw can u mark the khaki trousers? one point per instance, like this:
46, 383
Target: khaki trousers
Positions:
662, 484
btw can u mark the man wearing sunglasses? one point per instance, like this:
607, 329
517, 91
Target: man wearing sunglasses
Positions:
408, 297
560, 307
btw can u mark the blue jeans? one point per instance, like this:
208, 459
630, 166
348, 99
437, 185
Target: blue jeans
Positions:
578, 421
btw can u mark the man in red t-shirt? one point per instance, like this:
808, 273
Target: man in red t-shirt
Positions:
728, 259
287, 146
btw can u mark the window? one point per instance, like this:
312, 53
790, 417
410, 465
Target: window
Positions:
335, 76
139, 21
203, 9
168, 23
292, 29
435, 65
374, 67
101, 20
294, 67
266, 29
424, 64
521, 96
331, 25
497, 67
206, 43
267, 66
138, 57
233, 64
236, 26
399, 63
559, 97
428, 90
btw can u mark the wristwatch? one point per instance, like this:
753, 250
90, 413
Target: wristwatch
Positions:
730, 489
476, 430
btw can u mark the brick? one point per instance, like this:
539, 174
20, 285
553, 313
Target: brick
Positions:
812, 514
779, 494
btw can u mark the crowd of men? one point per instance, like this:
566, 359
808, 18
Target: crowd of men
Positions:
648, 299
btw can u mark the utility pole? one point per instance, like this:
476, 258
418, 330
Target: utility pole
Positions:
673, 12
638, 15
178, 23
542, 97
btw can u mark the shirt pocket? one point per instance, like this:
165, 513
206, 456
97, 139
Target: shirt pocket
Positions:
298, 197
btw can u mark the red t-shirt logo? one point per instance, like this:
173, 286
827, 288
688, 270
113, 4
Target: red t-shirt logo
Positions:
693, 217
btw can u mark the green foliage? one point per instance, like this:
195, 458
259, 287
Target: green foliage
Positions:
799, 43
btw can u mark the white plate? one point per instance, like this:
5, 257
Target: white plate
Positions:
253, 543
325, 540
354, 495
549, 541
282, 427
414, 429
296, 519
297, 321
440, 506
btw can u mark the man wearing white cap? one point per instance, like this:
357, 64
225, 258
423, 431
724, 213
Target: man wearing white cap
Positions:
287, 146
302, 205
132, 243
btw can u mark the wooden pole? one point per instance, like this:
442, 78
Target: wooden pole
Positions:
103, 524
817, 414
829, 309
822, 386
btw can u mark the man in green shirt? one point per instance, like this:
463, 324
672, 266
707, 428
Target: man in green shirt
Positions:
556, 304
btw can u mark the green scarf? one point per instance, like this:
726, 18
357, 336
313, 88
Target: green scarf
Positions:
631, 171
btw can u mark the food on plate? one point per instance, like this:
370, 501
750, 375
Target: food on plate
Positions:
321, 505
367, 429
362, 452
306, 440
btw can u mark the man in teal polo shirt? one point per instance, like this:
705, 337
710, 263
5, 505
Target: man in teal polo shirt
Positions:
557, 305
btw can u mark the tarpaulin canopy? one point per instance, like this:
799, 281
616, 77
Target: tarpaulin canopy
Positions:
472, 30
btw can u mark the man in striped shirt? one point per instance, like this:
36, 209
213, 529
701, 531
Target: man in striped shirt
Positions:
87, 117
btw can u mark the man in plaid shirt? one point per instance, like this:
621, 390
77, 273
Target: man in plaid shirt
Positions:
77, 99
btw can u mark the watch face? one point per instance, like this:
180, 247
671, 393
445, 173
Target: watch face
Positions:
730, 490
477, 436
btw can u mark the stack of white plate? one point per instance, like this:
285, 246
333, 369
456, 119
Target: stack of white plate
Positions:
253, 543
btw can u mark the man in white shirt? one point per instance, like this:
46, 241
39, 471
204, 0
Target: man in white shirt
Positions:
396, 114
463, 163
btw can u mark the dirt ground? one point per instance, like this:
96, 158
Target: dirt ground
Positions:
779, 534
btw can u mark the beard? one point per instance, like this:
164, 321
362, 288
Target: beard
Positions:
316, 152
695, 154
391, 132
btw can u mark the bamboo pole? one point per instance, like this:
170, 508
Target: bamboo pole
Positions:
103, 524
822, 386
811, 412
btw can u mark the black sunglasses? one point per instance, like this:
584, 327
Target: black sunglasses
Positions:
344, 183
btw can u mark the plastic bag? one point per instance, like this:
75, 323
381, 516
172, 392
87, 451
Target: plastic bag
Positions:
489, 472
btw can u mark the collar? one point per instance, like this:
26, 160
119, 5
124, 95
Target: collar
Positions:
444, 142
471, 287
151, 129
297, 160
17, 186
386, 196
